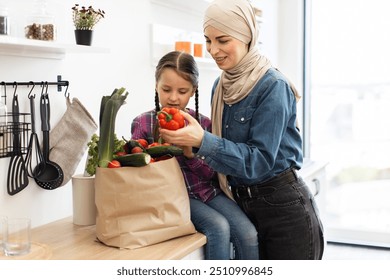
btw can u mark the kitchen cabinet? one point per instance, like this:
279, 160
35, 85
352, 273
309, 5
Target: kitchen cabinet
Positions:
314, 174
42, 49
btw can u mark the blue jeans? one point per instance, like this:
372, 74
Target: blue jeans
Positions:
222, 221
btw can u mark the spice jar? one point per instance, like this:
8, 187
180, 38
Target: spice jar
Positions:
3, 127
41, 24
4, 21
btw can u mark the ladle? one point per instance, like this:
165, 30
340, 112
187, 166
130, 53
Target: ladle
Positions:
49, 174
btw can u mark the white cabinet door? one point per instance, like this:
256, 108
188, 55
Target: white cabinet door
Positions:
314, 175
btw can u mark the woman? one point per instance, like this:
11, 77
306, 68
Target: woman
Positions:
255, 144
212, 213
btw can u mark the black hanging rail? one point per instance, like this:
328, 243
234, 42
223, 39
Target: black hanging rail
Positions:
12, 123
60, 83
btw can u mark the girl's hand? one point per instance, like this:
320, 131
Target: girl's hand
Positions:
191, 135
187, 152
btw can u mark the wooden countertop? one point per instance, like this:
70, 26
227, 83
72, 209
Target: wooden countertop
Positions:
62, 240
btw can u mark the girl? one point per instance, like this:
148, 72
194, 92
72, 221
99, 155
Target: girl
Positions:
212, 213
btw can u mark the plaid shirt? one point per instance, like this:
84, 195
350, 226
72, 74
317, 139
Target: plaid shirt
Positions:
200, 179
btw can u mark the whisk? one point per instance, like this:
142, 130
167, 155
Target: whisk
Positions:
33, 159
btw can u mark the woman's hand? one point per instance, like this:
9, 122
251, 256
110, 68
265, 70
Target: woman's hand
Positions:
191, 135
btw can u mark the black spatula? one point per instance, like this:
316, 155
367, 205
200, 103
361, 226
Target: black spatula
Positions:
17, 178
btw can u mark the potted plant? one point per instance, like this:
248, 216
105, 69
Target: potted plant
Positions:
84, 20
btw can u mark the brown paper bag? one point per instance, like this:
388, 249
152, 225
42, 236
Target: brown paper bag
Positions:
141, 206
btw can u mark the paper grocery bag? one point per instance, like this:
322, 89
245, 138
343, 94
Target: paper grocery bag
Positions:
141, 206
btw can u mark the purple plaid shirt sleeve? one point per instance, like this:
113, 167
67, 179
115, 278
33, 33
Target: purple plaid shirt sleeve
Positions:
200, 179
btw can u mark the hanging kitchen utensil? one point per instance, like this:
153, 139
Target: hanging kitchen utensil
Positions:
50, 173
17, 178
33, 159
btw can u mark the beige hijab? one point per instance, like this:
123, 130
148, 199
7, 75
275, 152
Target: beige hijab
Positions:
237, 19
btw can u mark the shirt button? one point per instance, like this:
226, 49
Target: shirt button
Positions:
227, 126
242, 119
202, 157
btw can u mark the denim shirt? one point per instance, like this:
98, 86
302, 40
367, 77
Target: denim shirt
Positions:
259, 134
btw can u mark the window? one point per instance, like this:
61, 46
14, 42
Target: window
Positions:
347, 116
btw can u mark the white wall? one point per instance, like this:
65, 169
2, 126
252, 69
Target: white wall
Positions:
126, 31
290, 45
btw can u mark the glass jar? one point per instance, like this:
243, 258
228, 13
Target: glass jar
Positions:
41, 24
3, 128
4, 21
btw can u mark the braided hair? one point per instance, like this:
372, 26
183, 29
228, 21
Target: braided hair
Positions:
185, 66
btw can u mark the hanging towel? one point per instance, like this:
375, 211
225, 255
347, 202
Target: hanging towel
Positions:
69, 138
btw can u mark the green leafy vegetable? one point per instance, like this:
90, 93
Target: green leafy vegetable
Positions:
108, 111
92, 160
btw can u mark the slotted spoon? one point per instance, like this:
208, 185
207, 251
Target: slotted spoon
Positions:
33, 159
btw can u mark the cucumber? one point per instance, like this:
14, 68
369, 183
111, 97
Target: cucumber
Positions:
136, 160
159, 151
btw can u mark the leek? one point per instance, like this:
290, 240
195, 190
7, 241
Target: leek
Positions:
109, 108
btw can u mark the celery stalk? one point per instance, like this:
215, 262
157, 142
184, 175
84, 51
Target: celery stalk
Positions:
108, 110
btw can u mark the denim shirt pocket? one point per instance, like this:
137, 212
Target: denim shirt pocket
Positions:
241, 124
244, 115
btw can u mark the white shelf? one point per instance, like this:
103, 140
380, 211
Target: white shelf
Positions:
163, 41
42, 49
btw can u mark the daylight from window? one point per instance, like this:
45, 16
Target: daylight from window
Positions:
350, 110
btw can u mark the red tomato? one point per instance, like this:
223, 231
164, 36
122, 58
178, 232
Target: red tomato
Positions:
114, 164
136, 150
143, 142
154, 144
120, 154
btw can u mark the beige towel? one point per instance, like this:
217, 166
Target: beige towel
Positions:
69, 138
